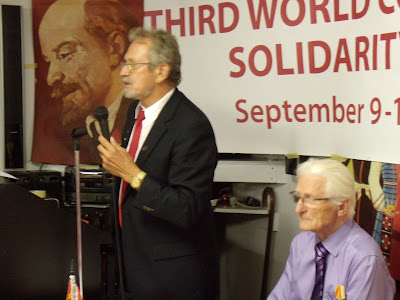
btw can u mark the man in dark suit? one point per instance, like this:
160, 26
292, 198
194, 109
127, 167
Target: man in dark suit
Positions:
166, 223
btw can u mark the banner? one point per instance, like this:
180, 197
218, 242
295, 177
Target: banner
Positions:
283, 76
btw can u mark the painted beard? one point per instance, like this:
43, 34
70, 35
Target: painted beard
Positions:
74, 113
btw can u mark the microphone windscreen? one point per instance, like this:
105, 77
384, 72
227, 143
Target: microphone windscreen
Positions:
78, 132
101, 113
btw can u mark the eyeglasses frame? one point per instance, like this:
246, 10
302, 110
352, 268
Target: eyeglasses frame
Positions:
130, 65
292, 194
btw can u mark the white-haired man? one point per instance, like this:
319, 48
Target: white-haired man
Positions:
333, 257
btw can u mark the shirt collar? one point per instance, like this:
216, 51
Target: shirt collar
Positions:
335, 241
152, 112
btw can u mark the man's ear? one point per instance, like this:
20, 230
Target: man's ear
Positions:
117, 46
344, 208
162, 72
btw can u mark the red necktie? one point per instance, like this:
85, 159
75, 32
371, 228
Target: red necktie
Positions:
132, 152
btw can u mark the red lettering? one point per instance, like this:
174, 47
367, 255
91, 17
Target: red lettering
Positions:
311, 56
256, 110
270, 119
338, 16
299, 109
153, 16
206, 20
300, 17
191, 21
375, 53
238, 62
319, 107
351, 111
222, 27
178, 22
281, 69
385, 9
321, 7
245, 115
362, 53
262, 9
268, 63
300, 63
342, 60
286, 107
360, 108
358, 15
388, 37
335, 107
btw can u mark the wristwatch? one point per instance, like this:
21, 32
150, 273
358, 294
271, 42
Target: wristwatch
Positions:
136, 181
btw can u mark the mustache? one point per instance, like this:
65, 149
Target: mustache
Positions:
126, 80
61, 89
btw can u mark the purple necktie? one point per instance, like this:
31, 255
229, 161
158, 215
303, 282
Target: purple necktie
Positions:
320, 256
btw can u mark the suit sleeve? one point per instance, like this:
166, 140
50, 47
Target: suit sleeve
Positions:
183, 198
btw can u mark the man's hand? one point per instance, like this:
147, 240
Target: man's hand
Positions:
116, 159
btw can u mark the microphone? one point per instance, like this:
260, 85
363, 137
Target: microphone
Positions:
101, 114
76, 134
79, 132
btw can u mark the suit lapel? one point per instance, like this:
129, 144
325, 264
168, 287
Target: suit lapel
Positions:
121, 119
159, 127
130, 122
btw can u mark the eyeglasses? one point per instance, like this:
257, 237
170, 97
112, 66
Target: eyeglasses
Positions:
132, 66
307, 199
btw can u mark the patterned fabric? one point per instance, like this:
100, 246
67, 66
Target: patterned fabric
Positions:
383, 223
394, 212
321, 254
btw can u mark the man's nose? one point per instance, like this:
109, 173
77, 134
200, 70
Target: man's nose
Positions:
299, 206
54, 74
124, 72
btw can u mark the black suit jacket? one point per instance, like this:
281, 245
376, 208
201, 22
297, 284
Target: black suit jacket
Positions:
168, 235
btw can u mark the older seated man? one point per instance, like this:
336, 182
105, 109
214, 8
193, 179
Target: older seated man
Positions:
333, 257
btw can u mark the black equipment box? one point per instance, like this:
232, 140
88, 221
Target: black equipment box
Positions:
95, 187
50, 181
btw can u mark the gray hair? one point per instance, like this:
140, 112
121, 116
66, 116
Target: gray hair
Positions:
164, 49
339, 183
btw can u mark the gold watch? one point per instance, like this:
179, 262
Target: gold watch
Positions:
136, 181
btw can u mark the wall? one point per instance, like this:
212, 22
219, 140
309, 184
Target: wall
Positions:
242, 237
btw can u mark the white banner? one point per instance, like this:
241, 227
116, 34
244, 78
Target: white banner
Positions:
315, 77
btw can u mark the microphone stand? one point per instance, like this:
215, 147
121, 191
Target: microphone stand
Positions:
76, 134
117, 229
101, 114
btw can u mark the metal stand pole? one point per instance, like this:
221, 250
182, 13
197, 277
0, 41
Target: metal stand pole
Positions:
117, 229
76, 135
78, 220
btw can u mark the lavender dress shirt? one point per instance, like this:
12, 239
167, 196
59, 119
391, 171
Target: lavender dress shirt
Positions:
355, 262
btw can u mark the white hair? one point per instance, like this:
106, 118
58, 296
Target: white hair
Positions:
339, 183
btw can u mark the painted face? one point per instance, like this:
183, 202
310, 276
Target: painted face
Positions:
320, 217
79, 74
139, 80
